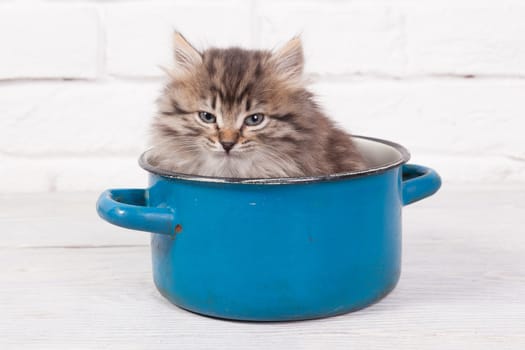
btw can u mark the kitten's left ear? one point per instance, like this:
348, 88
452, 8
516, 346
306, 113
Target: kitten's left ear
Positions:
288, 61
187, 58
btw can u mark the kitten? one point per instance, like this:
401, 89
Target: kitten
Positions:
245, 113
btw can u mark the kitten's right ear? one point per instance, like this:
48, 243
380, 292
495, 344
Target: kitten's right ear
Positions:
187, 58
288, 61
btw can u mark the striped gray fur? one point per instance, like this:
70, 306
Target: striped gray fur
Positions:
295, 138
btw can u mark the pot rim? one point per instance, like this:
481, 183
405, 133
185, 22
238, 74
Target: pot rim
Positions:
404, 157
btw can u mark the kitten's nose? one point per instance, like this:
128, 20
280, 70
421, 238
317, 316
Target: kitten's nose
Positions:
227, 145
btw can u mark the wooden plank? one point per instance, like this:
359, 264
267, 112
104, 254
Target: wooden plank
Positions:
462, 286
104, 297
59, 219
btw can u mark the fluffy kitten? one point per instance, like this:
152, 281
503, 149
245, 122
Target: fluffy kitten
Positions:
245, 113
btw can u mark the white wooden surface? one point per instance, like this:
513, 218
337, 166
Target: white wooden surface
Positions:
68, 280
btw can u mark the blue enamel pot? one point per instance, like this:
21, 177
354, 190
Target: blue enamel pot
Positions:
275, 249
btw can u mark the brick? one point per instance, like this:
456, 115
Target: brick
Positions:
50, 174
51, 41
338, 36
139, 35
446, 116
466, 38
76, 117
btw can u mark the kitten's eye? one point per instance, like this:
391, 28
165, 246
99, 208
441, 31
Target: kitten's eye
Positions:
207, 117
254, 119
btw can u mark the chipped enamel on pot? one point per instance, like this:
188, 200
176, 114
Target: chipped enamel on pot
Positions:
276, 249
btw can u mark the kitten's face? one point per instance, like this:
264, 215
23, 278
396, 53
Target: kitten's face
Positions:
228, 112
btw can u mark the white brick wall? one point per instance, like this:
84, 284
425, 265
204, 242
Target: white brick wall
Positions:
49, 41
78, 80
138, 33
339, 37
466, 39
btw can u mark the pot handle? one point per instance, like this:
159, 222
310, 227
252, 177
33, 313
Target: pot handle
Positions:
127, 208
419, 182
